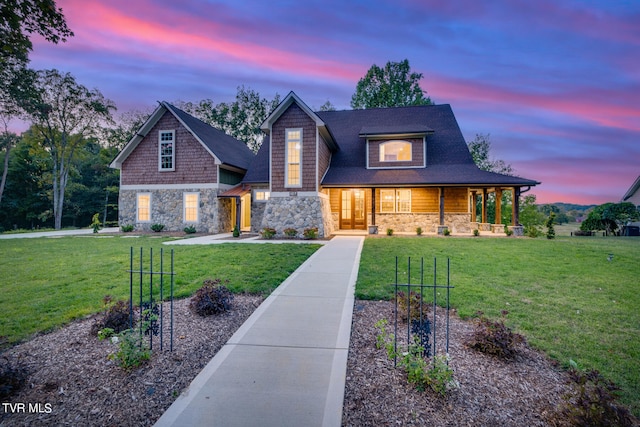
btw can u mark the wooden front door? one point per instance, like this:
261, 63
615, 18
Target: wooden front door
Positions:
353, 212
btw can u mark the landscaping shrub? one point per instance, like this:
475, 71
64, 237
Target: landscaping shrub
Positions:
236, 231
268, 233
495, 338
413, 302
551, 232
133, 350
157, 227
290, 232
593, 402
95, 223
476, 232
446, 232
115, 317
12, 378
211, 298
127, 228
389, 231
310, 233
419, 231
190, 229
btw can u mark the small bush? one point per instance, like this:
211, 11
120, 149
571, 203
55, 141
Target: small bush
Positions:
508, 232
419, 231
12, 378
446, 232
268, 233
115, 317
494, 338
236, 231
211, 298
593, 402
127, 228
189, 229
157, 227
413, 302
551, 232
389, 231
95, 223
290, 232
532, 231
133, 350
310, 233
476, 232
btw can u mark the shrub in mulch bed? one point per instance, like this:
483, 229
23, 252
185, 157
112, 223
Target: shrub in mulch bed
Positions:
495, 338
211, 298
12, 377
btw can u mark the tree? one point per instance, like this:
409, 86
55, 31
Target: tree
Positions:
596, 220
530, 217
327, 106
240, 119
480, 149
19, 19
392, 86
63, 114
551, 232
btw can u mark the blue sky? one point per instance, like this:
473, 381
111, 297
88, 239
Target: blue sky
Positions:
555, 84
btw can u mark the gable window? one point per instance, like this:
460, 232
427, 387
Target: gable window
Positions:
395, 151
166, 150
395, 201
191, 203
144, 207
293, 155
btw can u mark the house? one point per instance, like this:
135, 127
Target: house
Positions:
398, 168
173, 170
633, 193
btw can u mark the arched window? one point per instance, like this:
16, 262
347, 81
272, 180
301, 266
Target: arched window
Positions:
395, 151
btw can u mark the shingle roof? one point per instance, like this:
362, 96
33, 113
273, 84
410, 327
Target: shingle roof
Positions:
228, 149
448, 159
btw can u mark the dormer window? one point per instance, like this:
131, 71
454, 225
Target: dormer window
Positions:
166, 150
395, 151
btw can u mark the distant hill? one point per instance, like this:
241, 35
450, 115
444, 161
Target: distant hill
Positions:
566, 207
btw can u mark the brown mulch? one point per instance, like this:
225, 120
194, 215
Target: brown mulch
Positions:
72, 379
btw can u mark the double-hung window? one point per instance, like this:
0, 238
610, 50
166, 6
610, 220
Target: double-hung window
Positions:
191, 203
144, 207
166, 150
395, 201
293, 157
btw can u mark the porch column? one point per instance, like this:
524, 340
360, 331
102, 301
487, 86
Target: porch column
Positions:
515, 214
498, 218
484, 205
473, 206
238, 212
373, 206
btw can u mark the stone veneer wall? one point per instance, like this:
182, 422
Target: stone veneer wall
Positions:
408, 222
298, 212
167, 209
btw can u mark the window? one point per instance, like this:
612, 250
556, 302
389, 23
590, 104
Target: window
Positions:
395, 201
262, 196
144, 207
293, 176
395, 151
191, 204
166, 150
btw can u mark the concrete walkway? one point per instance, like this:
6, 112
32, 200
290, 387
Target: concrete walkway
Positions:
58, 233
286, 365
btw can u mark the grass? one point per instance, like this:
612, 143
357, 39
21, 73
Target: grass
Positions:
47, 282
562, 294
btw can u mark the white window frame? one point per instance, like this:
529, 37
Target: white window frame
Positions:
261, 195
395, 142
185, 207
138, 196
173, 150
397, 205
287, 141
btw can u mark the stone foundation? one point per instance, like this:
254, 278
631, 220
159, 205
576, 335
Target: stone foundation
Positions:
298, 212
167, 209
517, 230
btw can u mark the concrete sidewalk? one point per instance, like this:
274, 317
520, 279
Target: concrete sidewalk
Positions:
58, 233
286, 365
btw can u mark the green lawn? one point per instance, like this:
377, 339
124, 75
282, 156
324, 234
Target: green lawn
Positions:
47, 282
563, 294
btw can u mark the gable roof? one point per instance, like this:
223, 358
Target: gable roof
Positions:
226, 149
632, 190
258, 171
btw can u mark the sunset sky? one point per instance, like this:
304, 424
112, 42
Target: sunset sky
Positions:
556, 84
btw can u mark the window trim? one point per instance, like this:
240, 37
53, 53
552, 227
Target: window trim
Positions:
173, 150
184, 207
138, 195
287, 184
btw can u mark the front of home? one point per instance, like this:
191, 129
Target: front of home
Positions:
399, 168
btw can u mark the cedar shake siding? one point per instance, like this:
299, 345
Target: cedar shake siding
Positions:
417, 154
324, 159
193, 164
293, 118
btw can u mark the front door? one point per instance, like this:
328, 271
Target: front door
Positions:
352, 210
